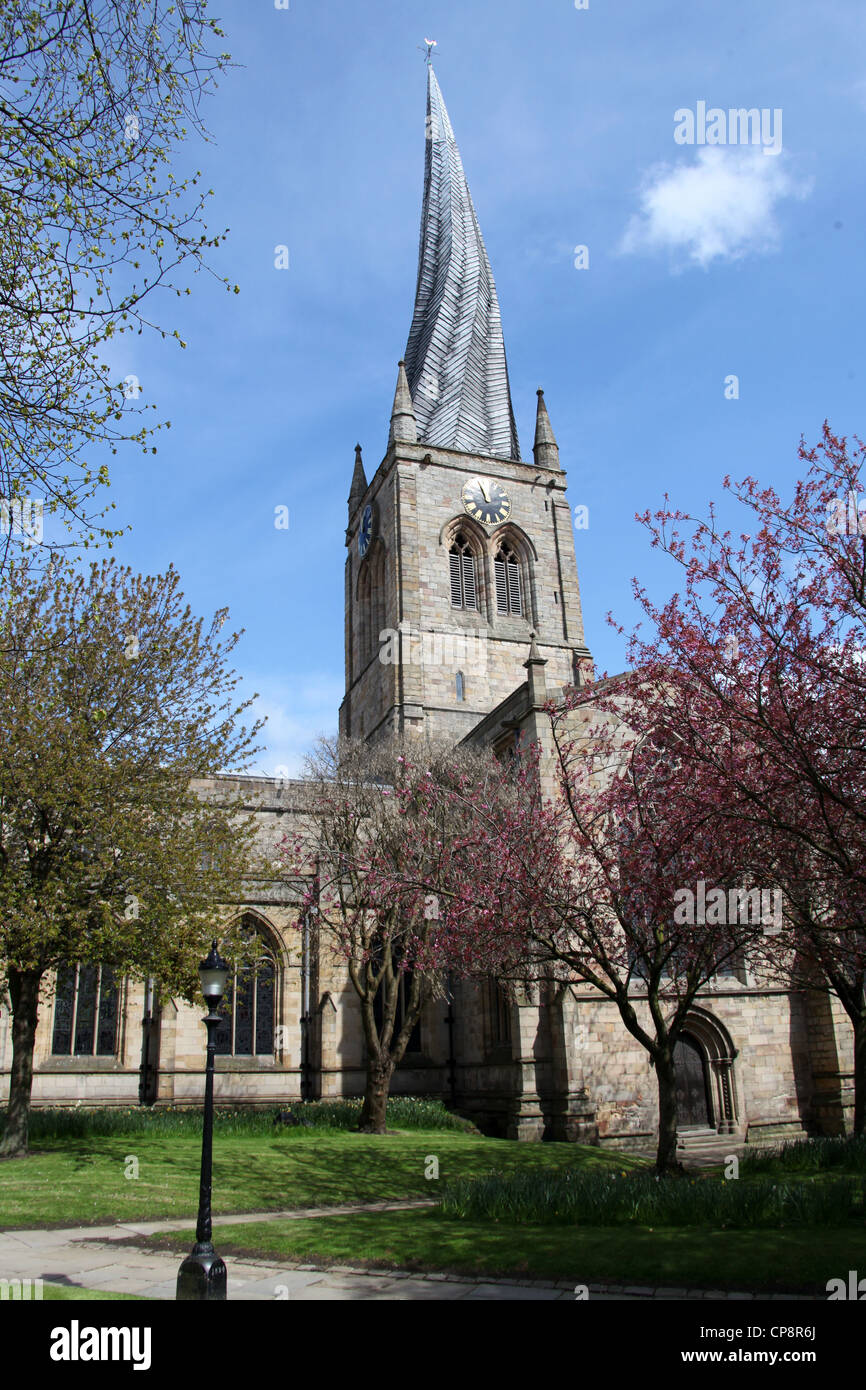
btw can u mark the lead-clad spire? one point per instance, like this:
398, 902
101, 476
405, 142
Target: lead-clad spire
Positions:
455, 356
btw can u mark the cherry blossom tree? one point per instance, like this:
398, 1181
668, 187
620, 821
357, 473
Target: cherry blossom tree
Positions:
762, 656
376, 842
577, 876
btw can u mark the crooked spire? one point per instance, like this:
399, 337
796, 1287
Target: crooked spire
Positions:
455, 357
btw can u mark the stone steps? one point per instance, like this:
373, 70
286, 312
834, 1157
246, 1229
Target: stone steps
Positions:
694, 1139
707, 1146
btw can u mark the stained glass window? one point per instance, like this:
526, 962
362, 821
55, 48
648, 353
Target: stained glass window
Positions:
85, 1011
249, 1005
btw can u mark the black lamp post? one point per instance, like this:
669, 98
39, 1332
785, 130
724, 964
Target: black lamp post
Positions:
202, 1276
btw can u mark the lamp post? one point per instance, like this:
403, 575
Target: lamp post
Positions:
202, 1276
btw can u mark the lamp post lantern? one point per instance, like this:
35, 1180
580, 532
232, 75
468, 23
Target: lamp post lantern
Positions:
202, 1276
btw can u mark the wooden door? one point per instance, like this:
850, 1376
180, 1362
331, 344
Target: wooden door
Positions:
692, 1108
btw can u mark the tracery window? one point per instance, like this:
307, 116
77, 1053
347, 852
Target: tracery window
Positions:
85, 1011
249, 1003
464, 589
509, 591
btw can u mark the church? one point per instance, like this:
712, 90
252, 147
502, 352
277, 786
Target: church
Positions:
462, 620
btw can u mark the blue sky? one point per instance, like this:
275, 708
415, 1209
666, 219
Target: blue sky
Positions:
703, 262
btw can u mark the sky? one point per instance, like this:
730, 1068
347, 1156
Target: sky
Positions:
702, 263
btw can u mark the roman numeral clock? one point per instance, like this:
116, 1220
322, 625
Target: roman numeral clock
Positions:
486, 501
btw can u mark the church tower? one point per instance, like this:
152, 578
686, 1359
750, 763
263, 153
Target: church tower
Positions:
458, 549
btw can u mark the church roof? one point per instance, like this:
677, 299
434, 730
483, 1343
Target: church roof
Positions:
455, 356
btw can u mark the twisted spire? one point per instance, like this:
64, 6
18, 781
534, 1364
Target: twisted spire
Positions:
455, 357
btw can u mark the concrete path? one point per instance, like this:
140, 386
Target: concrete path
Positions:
99, 1257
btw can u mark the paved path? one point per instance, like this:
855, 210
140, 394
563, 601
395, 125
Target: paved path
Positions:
101, 1257
90, 1257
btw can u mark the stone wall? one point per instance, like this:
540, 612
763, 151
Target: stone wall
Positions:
569, 1071
416, 497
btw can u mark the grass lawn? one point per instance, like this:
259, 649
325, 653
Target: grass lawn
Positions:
788, 1260
72, 1181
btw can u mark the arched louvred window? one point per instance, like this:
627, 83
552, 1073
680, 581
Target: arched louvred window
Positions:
464, 590
509, 594
248, 1008
85, 1011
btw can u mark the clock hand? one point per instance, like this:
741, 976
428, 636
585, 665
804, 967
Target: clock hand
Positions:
484, 490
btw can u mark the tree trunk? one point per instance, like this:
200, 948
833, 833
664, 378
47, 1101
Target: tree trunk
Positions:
666, 1153
852, 996
24, 994
379, 1075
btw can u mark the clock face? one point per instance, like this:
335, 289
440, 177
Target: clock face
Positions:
365, 532
486, 500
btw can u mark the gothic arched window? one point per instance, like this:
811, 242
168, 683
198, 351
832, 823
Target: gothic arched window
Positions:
464, 590
461, 687
509, 593
85, 1011
249, 1003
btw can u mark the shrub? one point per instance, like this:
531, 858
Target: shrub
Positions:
604, 1199
81, 1122
808, 1156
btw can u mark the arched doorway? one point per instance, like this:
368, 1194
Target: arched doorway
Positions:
693, 1110
705, 1082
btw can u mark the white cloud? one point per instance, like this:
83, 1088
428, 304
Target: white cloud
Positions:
722, 206
297, 714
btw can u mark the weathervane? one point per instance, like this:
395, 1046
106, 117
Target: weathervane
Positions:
431, 44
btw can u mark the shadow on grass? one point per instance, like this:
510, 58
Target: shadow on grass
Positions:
78, 1181
759, 1262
